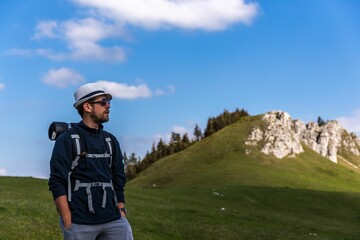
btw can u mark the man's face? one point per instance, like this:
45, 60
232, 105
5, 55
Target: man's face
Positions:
100, 109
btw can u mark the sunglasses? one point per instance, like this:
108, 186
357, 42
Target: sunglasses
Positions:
103, 102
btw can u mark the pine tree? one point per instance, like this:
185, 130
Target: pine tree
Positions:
130, 172
175, 141
154, 154
161, 149
132, 159
210, 129
320, 121
126, 160
130, 165
185, 141
197, 133
226, 118
145, 162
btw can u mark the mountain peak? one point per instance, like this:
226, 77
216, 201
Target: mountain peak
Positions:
282, 136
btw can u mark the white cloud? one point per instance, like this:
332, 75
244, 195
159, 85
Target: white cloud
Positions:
2, 86
351, 123
46, 29
19, 52
176, 129
124, 91
3, 172
210, 15
86, 51
169, 90
82, 38
89, 29
49, 53
62, 77
179, 129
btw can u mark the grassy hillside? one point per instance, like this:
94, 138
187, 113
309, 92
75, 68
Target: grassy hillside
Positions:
220, 160
213, 190
262, 197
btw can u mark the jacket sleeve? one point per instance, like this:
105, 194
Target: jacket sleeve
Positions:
60, 165
118, 172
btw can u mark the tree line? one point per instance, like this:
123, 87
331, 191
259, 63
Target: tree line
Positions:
178, 142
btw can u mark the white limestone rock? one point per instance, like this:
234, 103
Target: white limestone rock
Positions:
329, 140
280, 137
284, 137
351, 143
255, 136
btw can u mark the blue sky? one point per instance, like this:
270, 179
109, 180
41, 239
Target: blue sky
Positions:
171, 65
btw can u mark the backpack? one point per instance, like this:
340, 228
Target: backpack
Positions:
55, 130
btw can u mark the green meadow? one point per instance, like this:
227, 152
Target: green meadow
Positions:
232, 212
213, 190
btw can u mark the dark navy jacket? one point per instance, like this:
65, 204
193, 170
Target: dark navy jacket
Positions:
89, 170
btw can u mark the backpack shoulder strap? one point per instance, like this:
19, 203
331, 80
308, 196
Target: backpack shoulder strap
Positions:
109, 145
77, 148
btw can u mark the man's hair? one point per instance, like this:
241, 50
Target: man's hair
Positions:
80, 110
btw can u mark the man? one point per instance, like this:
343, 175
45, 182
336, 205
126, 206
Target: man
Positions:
87, 176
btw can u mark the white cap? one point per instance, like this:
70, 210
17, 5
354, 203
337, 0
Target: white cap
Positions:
88, 91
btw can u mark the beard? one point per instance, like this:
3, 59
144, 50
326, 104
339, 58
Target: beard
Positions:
101, 117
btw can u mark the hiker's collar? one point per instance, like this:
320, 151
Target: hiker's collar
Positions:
89, 129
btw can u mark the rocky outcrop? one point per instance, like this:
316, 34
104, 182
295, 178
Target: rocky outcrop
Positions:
280, 139
350, 143
283, 137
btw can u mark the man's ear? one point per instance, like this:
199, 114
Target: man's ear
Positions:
87, 107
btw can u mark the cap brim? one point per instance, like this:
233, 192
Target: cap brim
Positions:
78, 103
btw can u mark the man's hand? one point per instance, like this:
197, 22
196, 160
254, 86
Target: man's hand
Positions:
121, 205
64, 210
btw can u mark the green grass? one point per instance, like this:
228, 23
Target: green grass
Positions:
221, 160
27, 210
213, 190
257, 213
305, 197
249, 212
